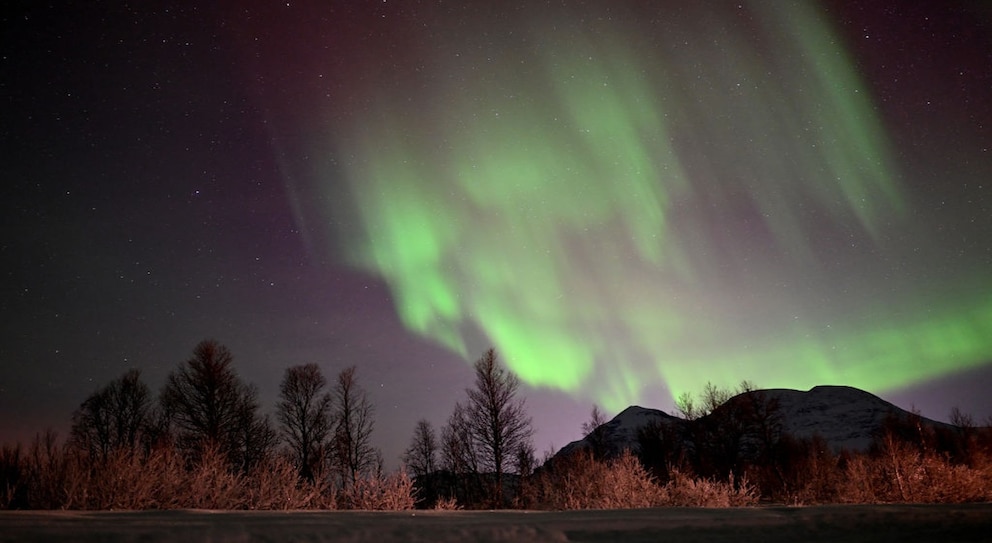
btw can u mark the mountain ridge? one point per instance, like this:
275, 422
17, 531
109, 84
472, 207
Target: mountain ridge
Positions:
845, 417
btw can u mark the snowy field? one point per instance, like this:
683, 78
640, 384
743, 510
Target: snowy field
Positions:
857, 523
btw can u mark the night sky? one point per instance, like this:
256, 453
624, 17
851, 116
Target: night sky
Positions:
626, 199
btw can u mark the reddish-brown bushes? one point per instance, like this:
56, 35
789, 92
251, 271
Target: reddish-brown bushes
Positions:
379, 493
898, 471
49, 475
55, 476
582, 482
685, 491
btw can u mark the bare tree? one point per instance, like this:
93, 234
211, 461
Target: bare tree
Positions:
497, 419
304, 413
421, 459
354, 421
255, 438
114, 417
686, 406
458, 449
525, 459
201, 396
961, 419
210, 406
594, 431
460, 460
737, 428
421, 456
713, 397
710, 398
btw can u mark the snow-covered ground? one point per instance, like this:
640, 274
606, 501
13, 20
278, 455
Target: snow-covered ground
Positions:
855, 523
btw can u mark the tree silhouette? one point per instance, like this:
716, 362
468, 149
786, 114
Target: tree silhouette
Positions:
496, 418
211, 407
113, 417
421, 456
460, 459
458, 447
255, 438
594, 431
304, 414
421, 459
354, 421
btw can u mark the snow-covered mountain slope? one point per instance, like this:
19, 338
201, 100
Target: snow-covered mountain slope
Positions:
621, 432
845, 417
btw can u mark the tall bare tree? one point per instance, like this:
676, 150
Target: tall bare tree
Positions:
353, 424
304, 413
113, 417
498, 422
211, 407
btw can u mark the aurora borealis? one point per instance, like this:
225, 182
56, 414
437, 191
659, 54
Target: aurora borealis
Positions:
619, 205
626, 199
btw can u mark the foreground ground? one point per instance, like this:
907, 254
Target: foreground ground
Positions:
855, 523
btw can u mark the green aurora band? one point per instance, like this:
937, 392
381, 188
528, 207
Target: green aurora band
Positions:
619, 215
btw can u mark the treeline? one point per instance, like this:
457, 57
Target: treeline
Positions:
727, 448
203, 442
484, 450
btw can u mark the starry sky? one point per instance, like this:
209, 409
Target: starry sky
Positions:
626, 199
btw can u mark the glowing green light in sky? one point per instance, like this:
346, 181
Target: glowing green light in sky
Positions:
619, 210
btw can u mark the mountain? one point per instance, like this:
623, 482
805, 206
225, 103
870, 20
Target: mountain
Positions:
845, 417
621, 432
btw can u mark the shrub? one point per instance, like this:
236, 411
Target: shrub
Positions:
13, 483
899, 472
447, 504
380, 493
278, 486
51, 479
801, 471
685, 491
581, 482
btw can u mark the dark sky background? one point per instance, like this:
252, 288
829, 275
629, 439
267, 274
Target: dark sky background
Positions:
626, 199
